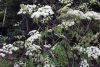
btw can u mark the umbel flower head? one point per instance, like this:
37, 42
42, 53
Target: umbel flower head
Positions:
43, 11
34, 35
91, 51
34, 12
68, 23
7, 49
80, 15
30, 45
26, 9
84, 63
31, 48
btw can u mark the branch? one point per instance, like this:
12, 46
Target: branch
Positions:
4, 16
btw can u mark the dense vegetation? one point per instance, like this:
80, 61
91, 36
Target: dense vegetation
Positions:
49, 33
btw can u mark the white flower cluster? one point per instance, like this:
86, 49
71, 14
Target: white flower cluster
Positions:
34, 12
79, 48
7, 49
66, 1
67, 24
34, 35
1, 53
75, 13
43, 11
61, 1
47, 63
30, 47
88, 15
20, 64
47, 45
84, 63
26, 9
92, 14
92, 51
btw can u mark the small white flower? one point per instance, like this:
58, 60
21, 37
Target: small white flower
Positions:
9, 48
47, 7
34, 6
47, 46
47, 62
43, 11
67, 24
36, 15
31, 48
29, 53
75, 13
15, 48
32, 32
93, 51
20, 12
31, 6
16, 65
10, 52
71, 23
84, 63
2, 54
48, 65
40, 9
44, 14
92, 14
62, 1
79, 48
19, 64
26, 9
1, 50
37, 46
34, 35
